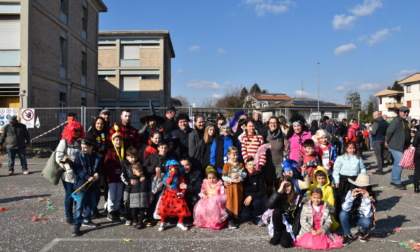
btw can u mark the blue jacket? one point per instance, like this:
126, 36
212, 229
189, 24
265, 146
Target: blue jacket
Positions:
85, 166
348, 165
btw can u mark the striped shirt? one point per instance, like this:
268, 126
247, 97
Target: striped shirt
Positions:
250, 145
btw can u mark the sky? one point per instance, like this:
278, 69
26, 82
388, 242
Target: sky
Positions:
362, 45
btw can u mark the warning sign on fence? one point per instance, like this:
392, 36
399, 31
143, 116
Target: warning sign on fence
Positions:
28, 117
5, 114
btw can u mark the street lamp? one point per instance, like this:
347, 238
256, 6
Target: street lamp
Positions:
23, 94
319, 112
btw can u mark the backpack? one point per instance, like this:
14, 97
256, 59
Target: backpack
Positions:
359, 137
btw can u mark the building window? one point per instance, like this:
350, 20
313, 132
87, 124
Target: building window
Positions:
84, 21
380, 100
408, 104
130, 55
84, 102
9, 40
130, 83
64, 10
150, 77
63, 99
63, 57
409, 89
84, 63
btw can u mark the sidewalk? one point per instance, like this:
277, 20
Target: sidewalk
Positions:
24, 197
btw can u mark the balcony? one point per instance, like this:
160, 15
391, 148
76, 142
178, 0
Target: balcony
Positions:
393, 105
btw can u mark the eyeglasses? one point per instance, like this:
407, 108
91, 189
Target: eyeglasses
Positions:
77, 131
406, 112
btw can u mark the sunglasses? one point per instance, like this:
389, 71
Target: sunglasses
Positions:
77, 131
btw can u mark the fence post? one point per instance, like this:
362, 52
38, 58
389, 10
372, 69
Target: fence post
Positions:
83, 117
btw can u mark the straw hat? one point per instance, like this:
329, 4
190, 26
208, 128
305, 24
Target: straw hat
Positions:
362, 180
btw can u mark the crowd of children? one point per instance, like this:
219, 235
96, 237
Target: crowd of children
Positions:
316, 193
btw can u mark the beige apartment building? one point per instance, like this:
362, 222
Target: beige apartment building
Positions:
134, 67
48, 52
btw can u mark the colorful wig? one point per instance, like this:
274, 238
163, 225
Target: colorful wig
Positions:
68, 132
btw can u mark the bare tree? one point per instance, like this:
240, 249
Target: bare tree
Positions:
209, 103
184, 100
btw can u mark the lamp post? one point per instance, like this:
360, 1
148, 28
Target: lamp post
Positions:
319, 112
23, 94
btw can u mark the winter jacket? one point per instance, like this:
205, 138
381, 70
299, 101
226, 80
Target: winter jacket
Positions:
139, 194
296, 144
129, 134
154, 161
16, 136
254, 186
327, 190
348, 165
85, 166
194, 139
378, 131
219, 149
351, 132
183, 140
112, 167
307, 218
398, 134
203, 153
70, 150
194, 179
276, 140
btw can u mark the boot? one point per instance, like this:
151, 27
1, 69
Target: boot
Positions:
416, 188
276, 238
76, 231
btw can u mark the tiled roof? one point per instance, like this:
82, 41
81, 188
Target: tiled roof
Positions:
307, 102
387, 92
273, 97
413, 78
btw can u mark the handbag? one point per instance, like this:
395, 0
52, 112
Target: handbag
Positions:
52, 171
407, 160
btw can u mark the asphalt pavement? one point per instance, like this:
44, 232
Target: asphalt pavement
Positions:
23, 197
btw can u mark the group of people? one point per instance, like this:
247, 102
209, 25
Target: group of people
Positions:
222, 174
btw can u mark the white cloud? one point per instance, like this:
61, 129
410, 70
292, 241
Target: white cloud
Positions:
369, 86
343, 21
194, 48
204, 85
304, 93
378, 36
179, 70
404, 74
270, 6
340, 88
344, 49
221, 51
367, 8
216, 96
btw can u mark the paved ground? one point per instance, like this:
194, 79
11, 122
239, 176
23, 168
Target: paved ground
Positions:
22, 197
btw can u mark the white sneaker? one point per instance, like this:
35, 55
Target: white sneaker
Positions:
128, 222
182, 226
162, 226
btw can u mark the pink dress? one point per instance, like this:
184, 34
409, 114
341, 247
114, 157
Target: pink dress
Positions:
322, 241
211, 212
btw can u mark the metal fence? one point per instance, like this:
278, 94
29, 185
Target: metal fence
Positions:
51, 121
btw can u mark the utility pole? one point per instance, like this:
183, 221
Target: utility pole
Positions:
319, 112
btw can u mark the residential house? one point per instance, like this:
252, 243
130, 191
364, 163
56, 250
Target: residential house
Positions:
48, 52
389, 102
135, 67
411, 86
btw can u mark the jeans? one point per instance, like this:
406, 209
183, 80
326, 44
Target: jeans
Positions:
396, 169
346, 221
87, 202
22, 156
378, 148
255, 209
68, 200
115, 195
340, 138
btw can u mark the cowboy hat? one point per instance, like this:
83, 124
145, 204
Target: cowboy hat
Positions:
362, 180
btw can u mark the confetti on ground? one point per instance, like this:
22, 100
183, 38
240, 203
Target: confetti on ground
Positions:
127, 240
3, 209
411, 244
50, 206
398, 230
43, 199
35, 219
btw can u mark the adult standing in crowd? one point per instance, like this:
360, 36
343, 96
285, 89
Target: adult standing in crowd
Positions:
274, 136
314, 127
17, 139
152, 123
398, 139
416, 144
204, 147
326, 125
69, 146
195, 137
378, 133
98, 132
283, 125
106, 115
296, 135
220, 146
257, 119
220, 121
170, 123
352, 132
129, 134
342, 133
182, 134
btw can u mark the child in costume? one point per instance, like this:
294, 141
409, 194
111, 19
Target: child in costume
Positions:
321, 180
315, 221
233, 175
325, 150
172, 202
309, 160
210, 210
300, 181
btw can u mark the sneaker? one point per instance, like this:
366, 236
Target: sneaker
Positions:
378, 172
26, 172
69, 221
139, 226
260, 223
115, 216
363, 237
128, 222
11, 173
162, 226
110, 216
347, 240
232, 225
399, 186
89, 224
181, 226
76, 231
